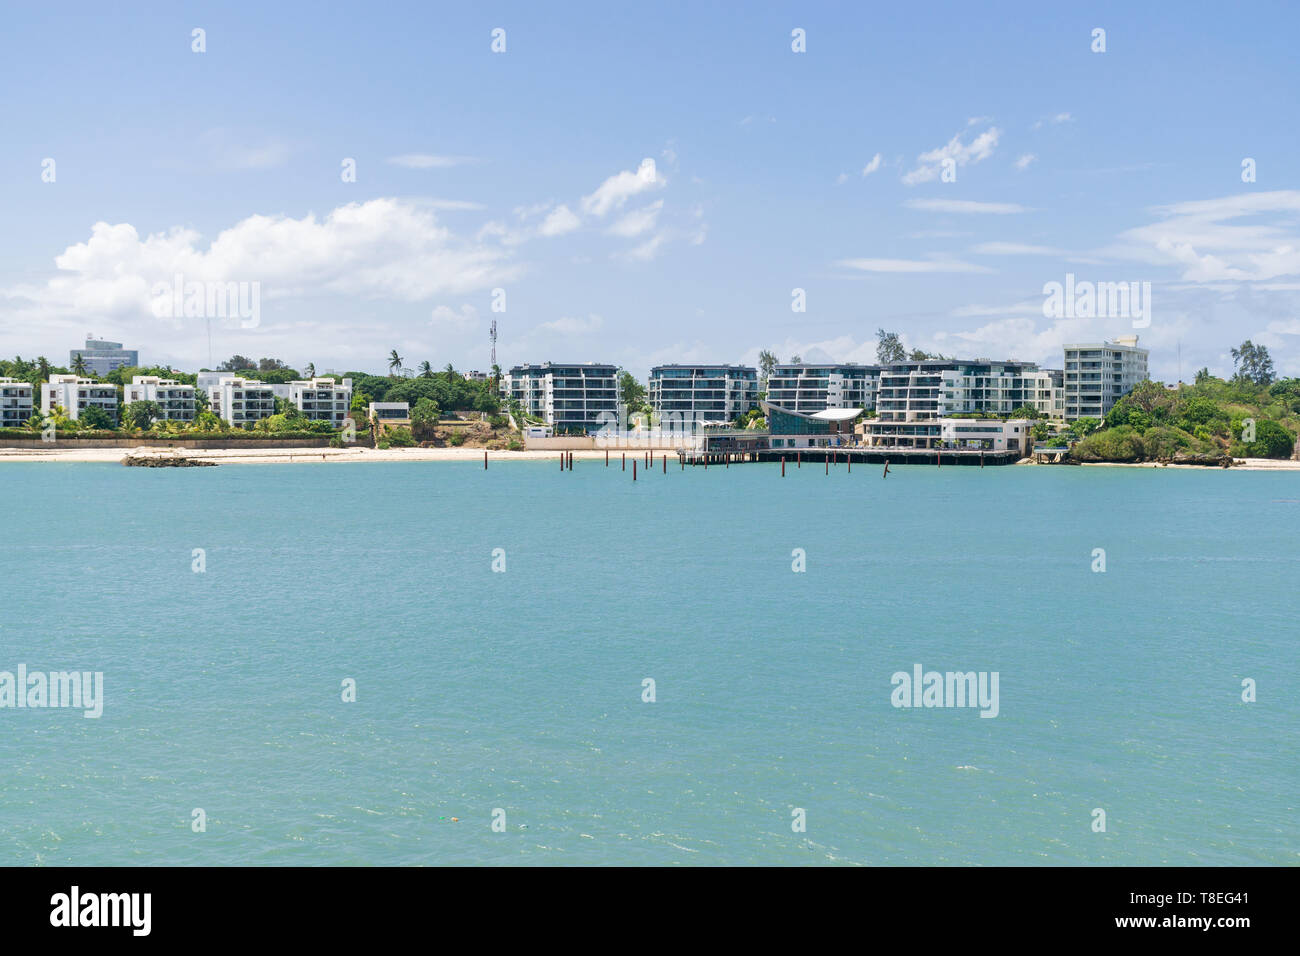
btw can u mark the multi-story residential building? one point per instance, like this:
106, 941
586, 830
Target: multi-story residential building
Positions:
918, 391
322, 399
242, 402
702, 394
74, 395
806, 388
915, 397
573, 398
1099, 375
15, 403
174, 399
101, 356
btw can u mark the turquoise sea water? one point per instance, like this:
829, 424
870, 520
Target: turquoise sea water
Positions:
522, 690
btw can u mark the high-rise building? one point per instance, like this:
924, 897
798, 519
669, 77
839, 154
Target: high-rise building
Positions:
1099, 375
807, 388
581, 398
702, 394
323, 399
15, 403
102, 356
175, 400
74, 395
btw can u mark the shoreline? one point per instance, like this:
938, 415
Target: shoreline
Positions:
277, 456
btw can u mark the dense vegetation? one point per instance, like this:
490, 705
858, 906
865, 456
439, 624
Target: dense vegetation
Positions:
1213, 417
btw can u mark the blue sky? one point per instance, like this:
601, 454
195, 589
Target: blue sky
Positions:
524, 170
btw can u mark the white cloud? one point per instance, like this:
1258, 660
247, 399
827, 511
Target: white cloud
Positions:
1015, 249
382, 248
638, 221
461, 320
1022, 163
559, 221
1056, 120
872, 166
911, 265
427, 161
622, 186
964, 206
1202, 239
961, 154
571, 326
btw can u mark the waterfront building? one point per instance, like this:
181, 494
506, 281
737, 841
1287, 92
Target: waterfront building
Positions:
74, 395
15, 403
322, 399
176, 401
964, 434
102, 356
806, 387
242, 402
702, 394
1098, 375
390, 414
926, 390
582, 398
825, 428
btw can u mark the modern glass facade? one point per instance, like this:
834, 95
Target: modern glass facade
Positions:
702, 394
811, 388
573, 398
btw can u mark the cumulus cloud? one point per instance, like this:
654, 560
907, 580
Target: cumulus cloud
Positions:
465, 318
615, 191
872, 166
930, 164
382, 248
638, 221
559, 221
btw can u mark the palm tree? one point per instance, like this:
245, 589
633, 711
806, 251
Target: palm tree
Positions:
79, 365
394, 361
449, 371
311, 369
426, 370
43, 368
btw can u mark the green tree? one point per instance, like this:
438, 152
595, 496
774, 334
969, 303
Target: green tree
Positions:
766, 362
394, 362
633, 392
79, 365
424, 418
426, 369
92, 417
1252, 363
889, 347
141, 415
1271, 441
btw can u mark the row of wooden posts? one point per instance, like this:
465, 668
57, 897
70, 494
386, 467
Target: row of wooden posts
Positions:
566, 461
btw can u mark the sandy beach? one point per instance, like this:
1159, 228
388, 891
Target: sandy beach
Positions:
306, 456
277, 456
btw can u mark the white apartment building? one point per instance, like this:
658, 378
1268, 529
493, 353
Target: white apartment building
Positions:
322, 399
934, 388
702, 394
1099, 375
806, 388
15, 403
174, 399
242, 402
74, 395
581, 398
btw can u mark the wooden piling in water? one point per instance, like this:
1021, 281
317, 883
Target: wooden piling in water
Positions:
485, 461
634, 471
606, 457
783, 466
798, 459
625, 461
665, 463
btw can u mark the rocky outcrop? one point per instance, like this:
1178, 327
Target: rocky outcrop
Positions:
165, 461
